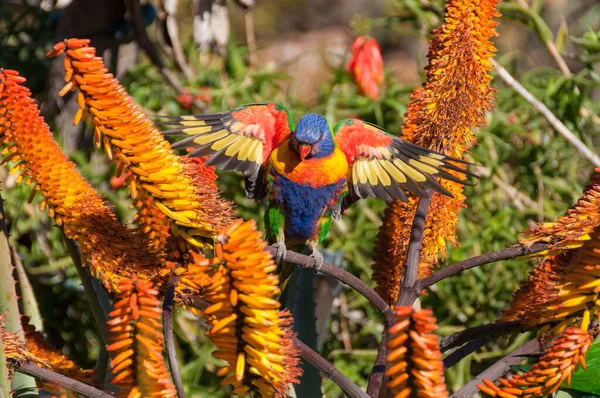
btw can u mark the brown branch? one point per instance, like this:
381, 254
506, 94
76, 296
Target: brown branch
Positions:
375, 386
504, 254
307, 354
488, 330
498, 369
330, 371
465, 351
408, 289
168, 332
342, 275
408, 293
62, 381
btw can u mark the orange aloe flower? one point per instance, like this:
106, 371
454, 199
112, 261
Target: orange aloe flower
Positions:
561, 291
440, 116
195, 208
573, 229
555, 367
415, 361
47, 356
113, 250
251, 334
366, 66
137, 362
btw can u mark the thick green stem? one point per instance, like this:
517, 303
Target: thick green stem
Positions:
4, 384
21, 385
30, 305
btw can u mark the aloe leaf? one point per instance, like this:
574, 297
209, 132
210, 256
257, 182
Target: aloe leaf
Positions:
21, 385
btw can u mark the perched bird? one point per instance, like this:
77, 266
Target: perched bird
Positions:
309, 174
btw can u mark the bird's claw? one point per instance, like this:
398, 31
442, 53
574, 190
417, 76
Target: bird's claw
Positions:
319, 261
281, 251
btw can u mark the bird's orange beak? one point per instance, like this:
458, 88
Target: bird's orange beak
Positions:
304, 150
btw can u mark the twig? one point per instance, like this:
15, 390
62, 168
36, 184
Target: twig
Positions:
430, 7
465, 351
141, 36
546, 113
519, 199
343, 276
488, 330
408, 287
504, 254
377, 374
62, 381
168, 331
498, 369
309, 355
330, 371
560, 62
251, 40
195, 301
170, 8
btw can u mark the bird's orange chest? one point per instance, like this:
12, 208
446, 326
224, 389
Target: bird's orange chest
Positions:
316, 172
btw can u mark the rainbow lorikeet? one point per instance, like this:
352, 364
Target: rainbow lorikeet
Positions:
309, 174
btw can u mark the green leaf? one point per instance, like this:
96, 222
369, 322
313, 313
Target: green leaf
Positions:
587, 380
567, 393
561, 36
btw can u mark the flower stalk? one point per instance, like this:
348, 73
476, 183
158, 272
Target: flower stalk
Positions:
195, 208
457, 78
546, 376
414, 357
114, 251
251, 334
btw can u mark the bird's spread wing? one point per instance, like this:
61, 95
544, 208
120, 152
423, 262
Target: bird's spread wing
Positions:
241, 139
383, 166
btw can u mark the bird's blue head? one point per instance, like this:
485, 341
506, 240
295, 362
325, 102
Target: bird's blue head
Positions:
312, 137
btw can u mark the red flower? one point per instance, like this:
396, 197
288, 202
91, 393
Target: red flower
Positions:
185, 100
366, 66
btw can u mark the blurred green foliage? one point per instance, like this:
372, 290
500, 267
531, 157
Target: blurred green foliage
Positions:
528, 173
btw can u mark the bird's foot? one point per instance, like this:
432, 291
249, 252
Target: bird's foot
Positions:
318, 257
281, 251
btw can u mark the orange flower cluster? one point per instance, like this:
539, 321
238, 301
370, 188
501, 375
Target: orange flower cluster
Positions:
562, 290
366, 66
113, 250
196, 210
137, 361
416, 367
250, 332
440, 116
153, 222
48, 356
555, 367
573, 229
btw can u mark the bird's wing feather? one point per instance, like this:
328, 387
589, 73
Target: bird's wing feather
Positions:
241, 139
383, 166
